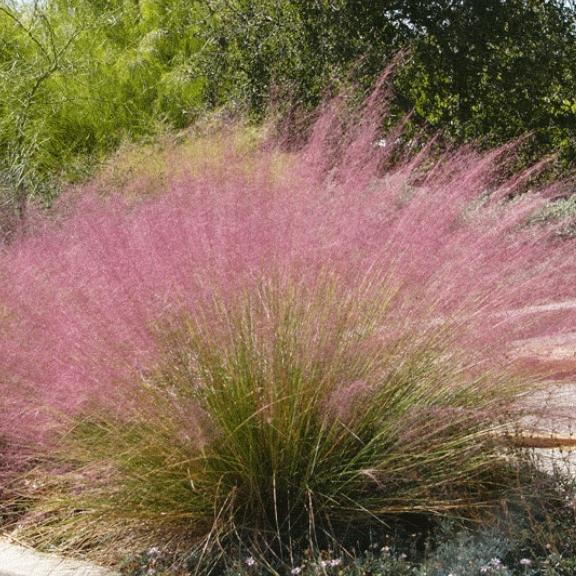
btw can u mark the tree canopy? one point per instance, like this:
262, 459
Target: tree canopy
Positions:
77, 77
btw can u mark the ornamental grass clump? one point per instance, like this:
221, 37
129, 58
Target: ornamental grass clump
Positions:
287, 415
280, 345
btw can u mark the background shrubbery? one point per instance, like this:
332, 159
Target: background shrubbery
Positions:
478, 70
77, 77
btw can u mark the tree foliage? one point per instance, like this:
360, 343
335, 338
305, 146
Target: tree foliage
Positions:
490, 70
79, 76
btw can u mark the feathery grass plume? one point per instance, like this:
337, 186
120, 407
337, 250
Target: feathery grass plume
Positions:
285, 414
82, 301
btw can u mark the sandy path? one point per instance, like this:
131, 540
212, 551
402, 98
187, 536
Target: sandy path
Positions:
552, 433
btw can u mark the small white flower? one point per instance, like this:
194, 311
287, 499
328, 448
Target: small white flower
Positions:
525, 562
154, 551
335, 562
494, 566
250, 561
296, 571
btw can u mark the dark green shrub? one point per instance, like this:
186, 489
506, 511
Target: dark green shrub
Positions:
487, 71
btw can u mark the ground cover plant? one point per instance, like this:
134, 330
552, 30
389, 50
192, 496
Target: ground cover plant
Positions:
533, 533
277, 355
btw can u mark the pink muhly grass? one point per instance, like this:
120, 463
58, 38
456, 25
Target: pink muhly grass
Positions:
82, 299
84, 293
275, 416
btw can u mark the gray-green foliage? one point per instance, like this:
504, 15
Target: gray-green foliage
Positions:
560, 212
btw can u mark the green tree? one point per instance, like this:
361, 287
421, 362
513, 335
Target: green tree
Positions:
79, 76
34, 51
489, 71
494, 70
